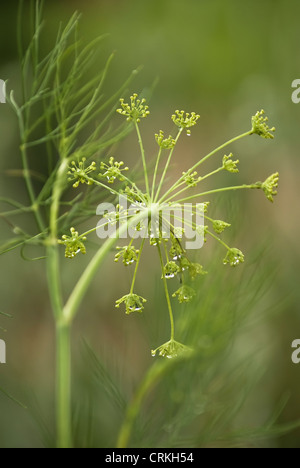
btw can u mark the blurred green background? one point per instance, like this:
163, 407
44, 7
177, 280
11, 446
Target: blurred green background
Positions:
225, 61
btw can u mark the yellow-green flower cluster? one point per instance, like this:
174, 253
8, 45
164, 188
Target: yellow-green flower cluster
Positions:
73, 244
164, 143
80, 173
113, 170
260, 126
185, 120
134, 111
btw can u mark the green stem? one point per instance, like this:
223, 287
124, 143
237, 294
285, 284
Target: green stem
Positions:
152, 377
167, 294
133, 410
155, 173
223, 189
62, 330
63, 385
137, 265
167, 166
143, 157
188, 187
227, 143
218, 239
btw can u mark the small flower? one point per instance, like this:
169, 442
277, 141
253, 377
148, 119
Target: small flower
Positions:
113, 170
196, 269
136, 110
269, 185
185, 120
202, 231
191, 180
133, 303
184, 294
74, 244
234, 257
176, 250
171, 269
202, 207
128, 253
170, 349
219, 226
165, 143
80, 173
230, 165
260, 126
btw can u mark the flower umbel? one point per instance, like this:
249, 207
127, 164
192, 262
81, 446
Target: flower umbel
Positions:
219, 226
171, 269
162, 223
80, 173
74, 244
184, 294
164, 143
113, 170
136, 110
269, 185
129, 254
170, 349
230, 165
191, 180
260, 126
185, 119
133, 303
234, 257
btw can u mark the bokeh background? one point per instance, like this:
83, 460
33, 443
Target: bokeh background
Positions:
225, 61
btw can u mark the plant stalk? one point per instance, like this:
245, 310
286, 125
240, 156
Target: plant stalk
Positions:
63, 385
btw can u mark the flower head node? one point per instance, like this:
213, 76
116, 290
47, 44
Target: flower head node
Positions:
170, 349
80, 173
113, 170
134, 111
230, 165
234, 257
129, 254
74, 244
165, 143
269, 186
191, 179
219, 226
133, 303
260, 126
185, 120
184, 294
171, 269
